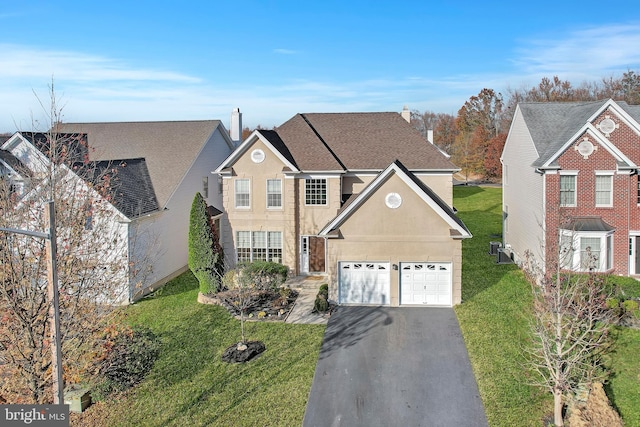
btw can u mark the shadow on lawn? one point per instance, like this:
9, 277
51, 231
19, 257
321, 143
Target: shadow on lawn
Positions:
213, 333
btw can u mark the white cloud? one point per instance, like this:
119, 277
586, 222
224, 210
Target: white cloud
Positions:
26, 62
587, 54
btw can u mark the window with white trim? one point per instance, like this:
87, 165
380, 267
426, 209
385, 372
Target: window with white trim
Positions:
243, 245
567, 190
586, 251
274, 193
274, 245
243, 193
604, 190
259, 246
315, 192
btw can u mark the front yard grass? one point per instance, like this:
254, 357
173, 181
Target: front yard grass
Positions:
189, 385
494, 318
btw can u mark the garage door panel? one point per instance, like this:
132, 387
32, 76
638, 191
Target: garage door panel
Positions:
425, 283
364, 283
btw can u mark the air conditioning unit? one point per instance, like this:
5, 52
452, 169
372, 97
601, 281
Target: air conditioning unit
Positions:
493, 248
504, 256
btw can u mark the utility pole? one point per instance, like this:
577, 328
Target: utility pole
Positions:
52, 291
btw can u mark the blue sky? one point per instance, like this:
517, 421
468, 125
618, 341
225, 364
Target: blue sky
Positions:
168, 60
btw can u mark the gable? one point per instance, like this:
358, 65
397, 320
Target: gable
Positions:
267, 141
169, 148
412, 219
259, 159
554, 127
348, 142
422, 203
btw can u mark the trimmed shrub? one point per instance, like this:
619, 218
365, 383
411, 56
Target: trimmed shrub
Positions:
321, 304
125, 357
205, 253
267, 276
324, 290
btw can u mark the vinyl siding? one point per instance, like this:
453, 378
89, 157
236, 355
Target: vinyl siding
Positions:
523, 194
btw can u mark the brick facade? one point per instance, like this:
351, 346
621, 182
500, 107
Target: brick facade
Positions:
623, 215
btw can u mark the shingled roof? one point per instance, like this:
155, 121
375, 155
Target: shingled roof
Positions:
168, 148
356, 141
552, 124
129, 190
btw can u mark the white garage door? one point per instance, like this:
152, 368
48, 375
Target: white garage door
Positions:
426, 283
364, 283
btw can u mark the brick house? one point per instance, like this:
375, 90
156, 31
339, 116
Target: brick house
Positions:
571, 189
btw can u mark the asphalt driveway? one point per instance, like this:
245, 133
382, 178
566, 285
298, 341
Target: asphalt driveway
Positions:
389, 366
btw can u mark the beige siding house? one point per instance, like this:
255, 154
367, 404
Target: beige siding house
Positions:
361, 198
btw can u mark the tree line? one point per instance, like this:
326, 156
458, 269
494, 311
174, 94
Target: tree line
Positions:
475, 137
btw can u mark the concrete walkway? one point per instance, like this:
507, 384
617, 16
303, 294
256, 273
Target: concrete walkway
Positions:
307, 288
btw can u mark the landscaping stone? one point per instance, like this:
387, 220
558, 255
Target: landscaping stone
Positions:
264, 305
242, 352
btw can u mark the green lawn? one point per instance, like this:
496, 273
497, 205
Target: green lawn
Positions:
190, 386
494, 319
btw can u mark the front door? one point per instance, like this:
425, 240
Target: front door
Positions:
312, 254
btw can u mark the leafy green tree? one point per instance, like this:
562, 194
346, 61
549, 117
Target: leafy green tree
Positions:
205, 253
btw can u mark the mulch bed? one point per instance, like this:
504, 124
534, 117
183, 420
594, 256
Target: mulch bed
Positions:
262, 305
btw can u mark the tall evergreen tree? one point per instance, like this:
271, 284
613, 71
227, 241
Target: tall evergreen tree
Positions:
204, 254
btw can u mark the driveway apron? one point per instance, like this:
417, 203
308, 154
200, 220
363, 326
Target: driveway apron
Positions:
391, 366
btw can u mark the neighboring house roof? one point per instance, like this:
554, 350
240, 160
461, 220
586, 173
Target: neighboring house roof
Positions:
459, 230
129, 187
553, 124
338, 142
169, 148
14, 163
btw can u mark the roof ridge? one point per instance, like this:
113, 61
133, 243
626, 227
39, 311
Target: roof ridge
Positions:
323, 141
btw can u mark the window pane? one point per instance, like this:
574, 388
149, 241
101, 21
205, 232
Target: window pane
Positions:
243, 244
590, 253
316, 192
567, 190
603, 189
259, 246
242, 193
274, 193
275, 246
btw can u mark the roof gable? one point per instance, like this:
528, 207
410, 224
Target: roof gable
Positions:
421, 189
553, 126
270, 139
340, 142
169, 148
589, 129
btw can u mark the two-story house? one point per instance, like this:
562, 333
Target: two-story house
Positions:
571, 192
362, 198
156, 168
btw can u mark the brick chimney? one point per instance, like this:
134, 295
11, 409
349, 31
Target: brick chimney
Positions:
235, 126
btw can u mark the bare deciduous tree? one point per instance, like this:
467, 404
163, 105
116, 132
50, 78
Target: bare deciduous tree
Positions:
93, 263
570, 331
